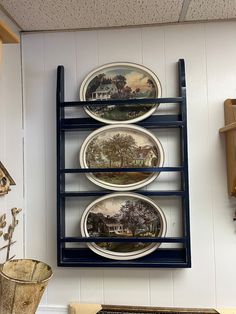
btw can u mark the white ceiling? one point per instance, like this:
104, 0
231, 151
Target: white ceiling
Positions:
33, 15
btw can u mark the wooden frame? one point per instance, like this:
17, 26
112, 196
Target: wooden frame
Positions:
230, 132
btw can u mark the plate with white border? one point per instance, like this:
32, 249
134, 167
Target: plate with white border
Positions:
120, 81
123, 215
121, 146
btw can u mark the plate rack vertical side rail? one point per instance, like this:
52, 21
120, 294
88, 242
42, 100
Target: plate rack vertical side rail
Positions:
60, 162
184, 160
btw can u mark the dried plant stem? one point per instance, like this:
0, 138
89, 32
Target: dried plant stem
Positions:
5, 246
11, 230
8, 248
8, 236
11, 257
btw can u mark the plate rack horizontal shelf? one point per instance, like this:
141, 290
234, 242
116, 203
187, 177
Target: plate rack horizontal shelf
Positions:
162, 258
123, 101
148, 169
125, 239
158, 121
84, 257
105, 192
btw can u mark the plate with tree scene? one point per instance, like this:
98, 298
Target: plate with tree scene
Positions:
120, 81
123, 215
121, 146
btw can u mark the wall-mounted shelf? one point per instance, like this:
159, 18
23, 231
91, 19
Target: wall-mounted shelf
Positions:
230, 132
7, 37
83, 256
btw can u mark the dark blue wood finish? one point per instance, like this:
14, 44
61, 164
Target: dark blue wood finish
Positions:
84, 257
105, 192
184, 157
90, 170
158, 121
122, 102
122, 239
60, 163
163, 258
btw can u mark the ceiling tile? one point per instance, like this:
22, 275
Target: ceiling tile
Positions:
138, 12
232, 9
75, 14
207, 10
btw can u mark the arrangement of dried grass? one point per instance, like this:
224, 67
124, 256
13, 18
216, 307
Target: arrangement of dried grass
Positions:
8, 236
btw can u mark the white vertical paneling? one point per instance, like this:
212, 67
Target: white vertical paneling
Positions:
153, 51
66, 56
161, 287
86, 61
119, 45
64, 288
91, 288
33, 79
14, 139
126, 286
86, 55
188, 43
2, 141
2, 115
11, 140
212, 230
221, 80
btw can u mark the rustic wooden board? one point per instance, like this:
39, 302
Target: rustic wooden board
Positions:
230, 132
107, 309
116, 309
76, 308
6, 35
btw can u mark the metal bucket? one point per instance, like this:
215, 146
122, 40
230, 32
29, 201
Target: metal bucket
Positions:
22, 284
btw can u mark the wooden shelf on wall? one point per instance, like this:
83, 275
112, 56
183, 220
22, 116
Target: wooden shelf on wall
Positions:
230, 132
7, 37
6, 34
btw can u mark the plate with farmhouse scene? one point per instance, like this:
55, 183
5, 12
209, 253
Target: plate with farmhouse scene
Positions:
121, 146
123, 215
120, 81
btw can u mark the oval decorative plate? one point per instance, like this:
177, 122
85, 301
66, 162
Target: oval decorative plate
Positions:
120, 81
123, 215
121, 146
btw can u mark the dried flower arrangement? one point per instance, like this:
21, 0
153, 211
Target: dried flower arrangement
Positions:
8, 236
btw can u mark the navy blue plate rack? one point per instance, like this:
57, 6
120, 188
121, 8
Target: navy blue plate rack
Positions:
83, 256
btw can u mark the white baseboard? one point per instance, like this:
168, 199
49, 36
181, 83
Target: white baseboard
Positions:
43, 309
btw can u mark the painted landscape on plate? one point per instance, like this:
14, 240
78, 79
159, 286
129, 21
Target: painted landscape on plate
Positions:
121, 83
122, 149
124, 216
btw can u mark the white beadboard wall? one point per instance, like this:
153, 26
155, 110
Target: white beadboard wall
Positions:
209, 51
11, 136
